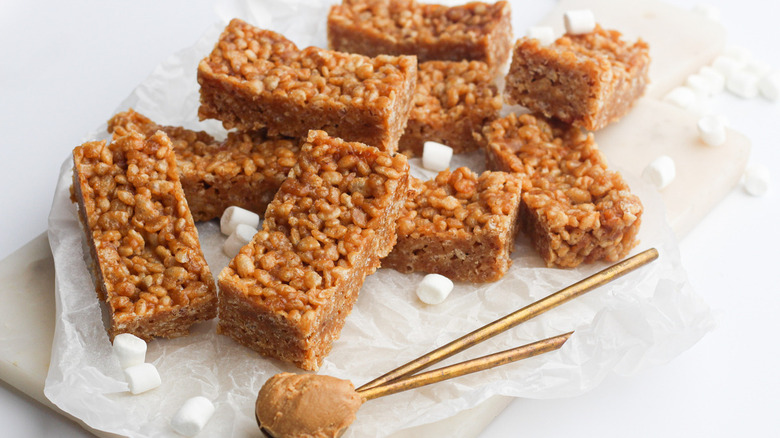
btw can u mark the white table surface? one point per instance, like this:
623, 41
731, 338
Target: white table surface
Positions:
65, 66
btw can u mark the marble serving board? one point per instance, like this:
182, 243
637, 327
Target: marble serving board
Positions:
704, 176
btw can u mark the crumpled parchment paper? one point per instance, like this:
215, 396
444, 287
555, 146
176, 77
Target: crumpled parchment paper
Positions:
643, 319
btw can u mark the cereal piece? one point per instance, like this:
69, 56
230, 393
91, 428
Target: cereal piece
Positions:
587, 80
129, 349
436, 156
682, 97
756, 179
142, 377
192, 416
573, 208
256, 78
452, 102
242, 235
579, 21
475, 31
434, 289
743, 84
235, 216
712, 130
244, 170
660, 172
544, 34
148, 264
769, 86
287, 293
459, 225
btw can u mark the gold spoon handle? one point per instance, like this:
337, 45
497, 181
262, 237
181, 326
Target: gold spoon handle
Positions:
513, 319
467, 367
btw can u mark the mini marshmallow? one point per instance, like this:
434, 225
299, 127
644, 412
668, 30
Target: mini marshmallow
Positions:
739, 53
236, 215
579, 21
434, 289
727, 66
712, 130
700, 85
710, 11
192, 416
142, 377
743, 84
240, 237
129, 349
682, 97
436, 156
756, 179
769, 86
545, 34
660, 172
716, 78
758, 68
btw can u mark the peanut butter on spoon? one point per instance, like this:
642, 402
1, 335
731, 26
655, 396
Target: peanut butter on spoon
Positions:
306, 405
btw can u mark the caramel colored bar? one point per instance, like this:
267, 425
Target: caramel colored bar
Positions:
147, 261
256, 79
573, 208
245, 170
287, 293
587, 80
453, 101
475, 31
459, 225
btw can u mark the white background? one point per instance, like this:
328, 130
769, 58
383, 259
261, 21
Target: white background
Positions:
66, 65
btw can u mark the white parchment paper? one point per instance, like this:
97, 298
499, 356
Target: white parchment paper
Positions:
641, 320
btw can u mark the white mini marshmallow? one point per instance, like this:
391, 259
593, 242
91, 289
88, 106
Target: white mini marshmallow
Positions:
710, 11
727, 66
758, 68
129, 349
232, 216
743, 84
579, 21
712, 130
716, 78
434, 289
739, 53
240, 237
682, 97
141, 378
700, 85
192, 416
769, 86
545, 34
660, 172
436, 156
756, 179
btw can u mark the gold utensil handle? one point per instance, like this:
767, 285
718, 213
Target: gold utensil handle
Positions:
513, 319
467, 367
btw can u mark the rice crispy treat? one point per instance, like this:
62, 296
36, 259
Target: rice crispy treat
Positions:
287, 293
257, 78
245, 170
587, 80
475, 31
454, 100
147, 262
459, 225
573, 208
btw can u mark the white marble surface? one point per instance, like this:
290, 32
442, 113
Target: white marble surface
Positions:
66, 66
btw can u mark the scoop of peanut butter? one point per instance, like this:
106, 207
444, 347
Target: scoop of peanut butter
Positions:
306, 405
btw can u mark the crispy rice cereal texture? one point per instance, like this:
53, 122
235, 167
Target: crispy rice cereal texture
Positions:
454, 100
287, 293
459, 225
147, 259
474, 31
245, 170
256, 78
573, 208
587, 80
